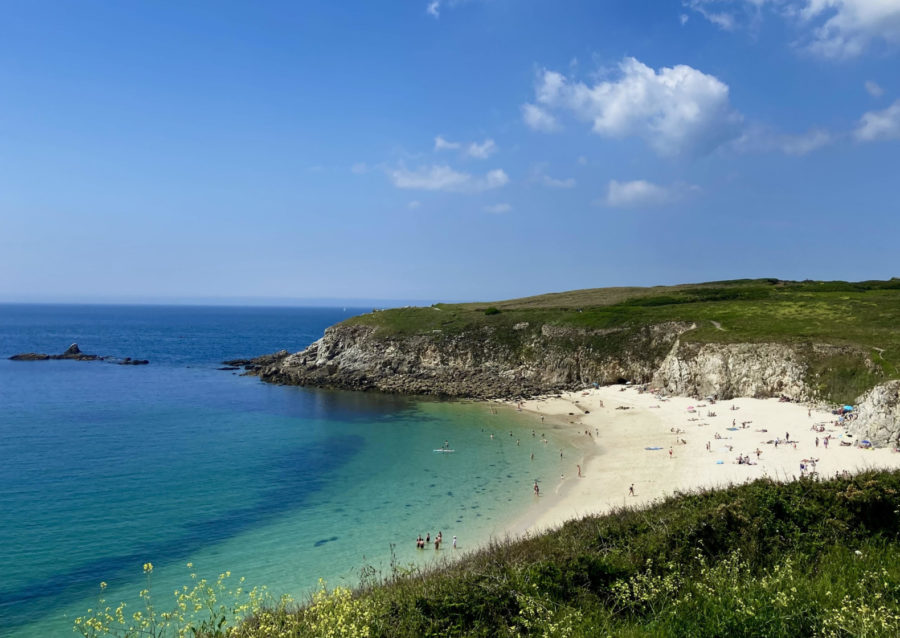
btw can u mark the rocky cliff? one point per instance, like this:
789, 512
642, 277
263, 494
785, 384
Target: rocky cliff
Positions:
879, 415
492, 362
485, 363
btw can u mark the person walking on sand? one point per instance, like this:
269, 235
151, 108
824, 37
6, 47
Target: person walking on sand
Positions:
670, 452
631, 490
817, 441
454, 541
579, 470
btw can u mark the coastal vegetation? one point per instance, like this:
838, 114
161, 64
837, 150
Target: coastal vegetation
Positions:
858, 319
804, 558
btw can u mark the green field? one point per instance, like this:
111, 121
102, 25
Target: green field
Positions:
863, 316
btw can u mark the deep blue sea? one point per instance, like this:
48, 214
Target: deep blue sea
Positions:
106, 467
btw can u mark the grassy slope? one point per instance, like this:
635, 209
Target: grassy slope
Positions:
863, 314
763, 559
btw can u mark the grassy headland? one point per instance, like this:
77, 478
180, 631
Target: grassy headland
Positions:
861, 315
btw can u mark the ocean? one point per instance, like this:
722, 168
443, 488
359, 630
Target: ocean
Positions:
105, 467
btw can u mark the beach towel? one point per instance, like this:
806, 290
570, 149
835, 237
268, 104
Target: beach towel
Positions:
652, 448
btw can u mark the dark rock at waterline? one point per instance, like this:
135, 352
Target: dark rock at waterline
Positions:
128, 361
256, 363
74, 353
30, 356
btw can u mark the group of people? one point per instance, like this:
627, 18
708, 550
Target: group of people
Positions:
421, 543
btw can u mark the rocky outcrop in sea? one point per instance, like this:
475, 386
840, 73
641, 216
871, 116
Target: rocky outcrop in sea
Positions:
74, 353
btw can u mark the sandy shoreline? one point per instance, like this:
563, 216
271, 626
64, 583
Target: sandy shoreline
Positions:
623, 423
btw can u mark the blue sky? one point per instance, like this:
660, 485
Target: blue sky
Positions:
449, 150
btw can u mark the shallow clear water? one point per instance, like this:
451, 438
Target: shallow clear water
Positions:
106, 467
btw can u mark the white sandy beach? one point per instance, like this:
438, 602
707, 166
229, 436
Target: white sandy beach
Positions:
622, 438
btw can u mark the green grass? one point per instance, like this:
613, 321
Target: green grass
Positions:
765, 559
862, 316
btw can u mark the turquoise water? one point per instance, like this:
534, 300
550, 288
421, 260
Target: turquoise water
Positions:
105, 467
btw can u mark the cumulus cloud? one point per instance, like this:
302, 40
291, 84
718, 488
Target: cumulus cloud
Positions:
498, 208
833, 28
539, 119
675, 110
845, 28
640, 193
444, 178
873, 89
434, 8
880, 125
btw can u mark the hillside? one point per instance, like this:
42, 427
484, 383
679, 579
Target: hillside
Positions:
823, 341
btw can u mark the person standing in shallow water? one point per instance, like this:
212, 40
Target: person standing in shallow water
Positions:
537, 490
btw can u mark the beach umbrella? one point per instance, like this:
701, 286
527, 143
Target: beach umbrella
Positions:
848, 408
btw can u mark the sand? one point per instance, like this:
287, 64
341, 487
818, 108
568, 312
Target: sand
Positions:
616, 454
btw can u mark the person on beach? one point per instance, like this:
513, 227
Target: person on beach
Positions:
670, 452
420, 544
817, 441
537, 490
579, 470
532, 456
428, 537
631, 490
454, 541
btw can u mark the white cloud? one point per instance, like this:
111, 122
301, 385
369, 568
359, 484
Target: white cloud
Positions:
472, 149
759, 139
498, 208
845, 28
833, 28
640, 193
359, 168
483, 150
440, 144
806, 143
538, 119
676, 110
444, 178
684, 18
414, 204
722, 19
873, 89
880, 125
553, 182
434, 8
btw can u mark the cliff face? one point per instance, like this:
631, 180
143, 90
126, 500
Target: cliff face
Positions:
879, 415
533, 359
486, 363
729, 370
